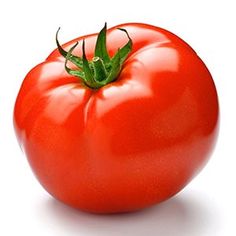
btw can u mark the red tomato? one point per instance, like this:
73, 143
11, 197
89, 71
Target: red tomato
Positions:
129, 144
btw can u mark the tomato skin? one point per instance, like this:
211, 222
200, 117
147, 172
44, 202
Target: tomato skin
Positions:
130, 144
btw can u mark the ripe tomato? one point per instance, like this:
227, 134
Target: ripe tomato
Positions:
126, 143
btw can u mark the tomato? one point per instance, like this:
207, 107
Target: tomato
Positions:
123, 144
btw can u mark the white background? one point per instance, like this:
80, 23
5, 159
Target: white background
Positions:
206, 207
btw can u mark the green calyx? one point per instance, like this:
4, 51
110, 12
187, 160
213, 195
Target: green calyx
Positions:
102, 69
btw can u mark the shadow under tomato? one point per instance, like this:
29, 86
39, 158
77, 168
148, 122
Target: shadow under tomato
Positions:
180, 216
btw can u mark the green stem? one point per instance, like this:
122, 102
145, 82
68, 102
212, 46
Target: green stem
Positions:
102, 69
100, 72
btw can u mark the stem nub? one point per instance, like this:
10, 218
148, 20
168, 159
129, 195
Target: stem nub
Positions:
102, 69
100, 72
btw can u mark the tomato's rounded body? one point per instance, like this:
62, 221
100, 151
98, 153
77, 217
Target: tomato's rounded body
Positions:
130, 144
